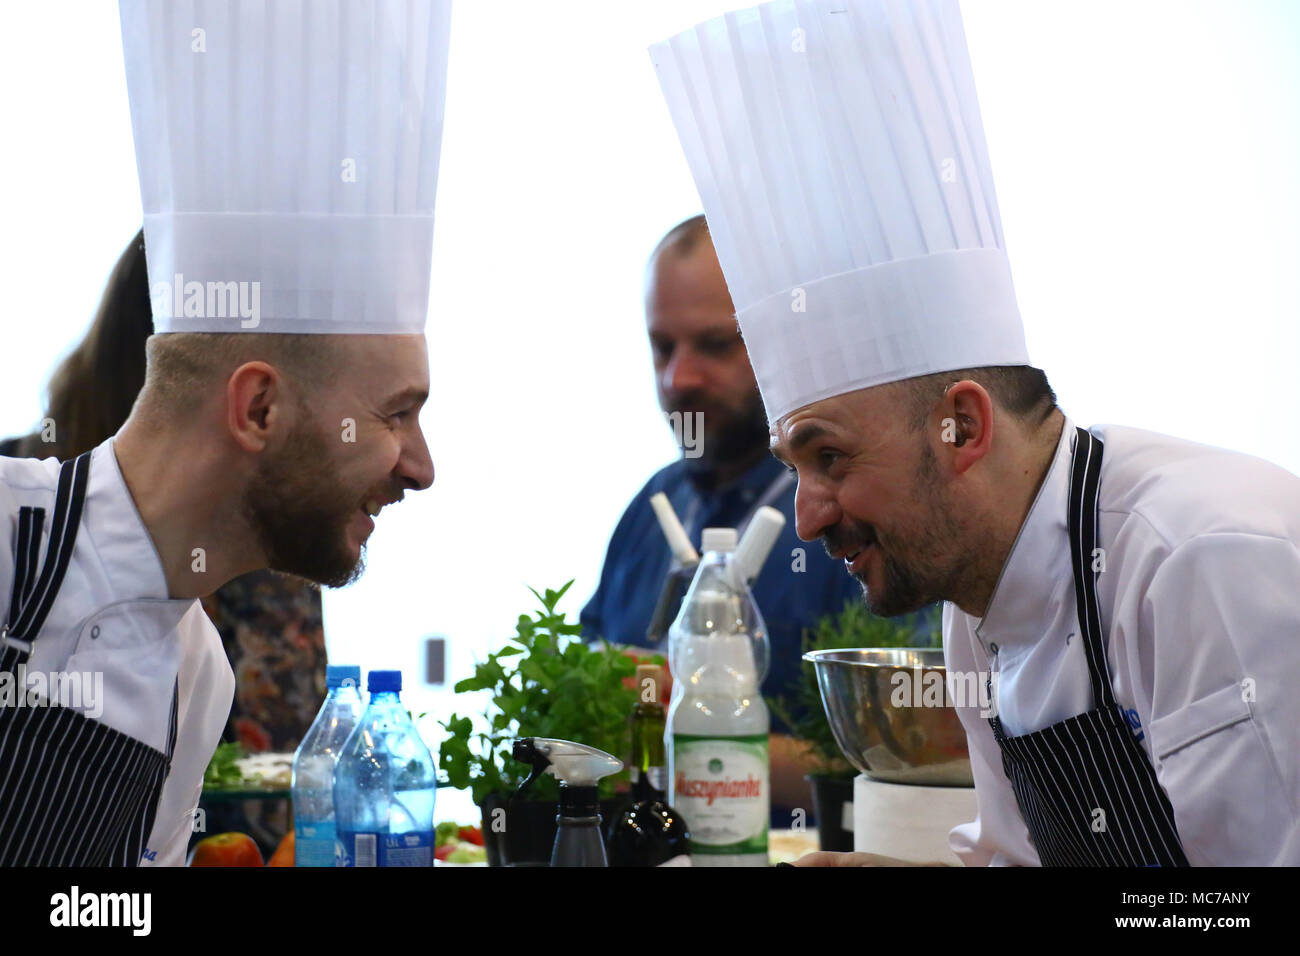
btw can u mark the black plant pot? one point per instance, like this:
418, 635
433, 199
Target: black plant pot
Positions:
832, 801
528, 835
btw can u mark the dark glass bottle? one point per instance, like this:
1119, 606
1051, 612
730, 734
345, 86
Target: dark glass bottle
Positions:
649, 832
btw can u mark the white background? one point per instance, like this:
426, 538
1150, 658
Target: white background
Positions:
1146, 161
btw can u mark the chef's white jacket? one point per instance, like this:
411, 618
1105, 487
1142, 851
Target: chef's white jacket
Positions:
1200, 602
113, 616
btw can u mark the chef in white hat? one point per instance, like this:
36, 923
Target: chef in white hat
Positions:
1130, 601
288, 159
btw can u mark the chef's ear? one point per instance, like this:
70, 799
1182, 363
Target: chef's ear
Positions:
965, 424
255, 400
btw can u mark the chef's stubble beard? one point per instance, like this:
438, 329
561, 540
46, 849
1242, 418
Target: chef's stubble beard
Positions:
299, 515
923, 564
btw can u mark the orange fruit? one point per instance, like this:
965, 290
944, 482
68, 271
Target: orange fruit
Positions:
283, 855
227, 849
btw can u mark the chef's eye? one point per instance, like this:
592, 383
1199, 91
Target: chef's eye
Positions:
828, 457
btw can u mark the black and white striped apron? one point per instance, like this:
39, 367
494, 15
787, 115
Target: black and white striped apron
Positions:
1086, 790
73, 791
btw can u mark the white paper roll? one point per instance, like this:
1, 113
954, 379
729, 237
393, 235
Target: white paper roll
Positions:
909, 822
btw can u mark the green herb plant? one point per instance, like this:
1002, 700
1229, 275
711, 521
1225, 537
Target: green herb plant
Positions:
801, 708
223, 771
546, 682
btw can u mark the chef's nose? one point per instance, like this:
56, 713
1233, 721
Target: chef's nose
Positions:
415, 467
814, 510
683, 372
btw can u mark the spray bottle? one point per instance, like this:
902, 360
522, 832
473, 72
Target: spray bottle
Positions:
578, 768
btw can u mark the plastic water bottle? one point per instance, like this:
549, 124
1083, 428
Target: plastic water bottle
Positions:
384, 785
313, 767
717, 722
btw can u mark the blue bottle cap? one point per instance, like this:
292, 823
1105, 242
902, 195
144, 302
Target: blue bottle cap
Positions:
342, 675
379, 682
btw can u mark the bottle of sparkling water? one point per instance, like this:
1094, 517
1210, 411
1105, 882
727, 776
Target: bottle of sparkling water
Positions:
313, 767
717, 722
384, 785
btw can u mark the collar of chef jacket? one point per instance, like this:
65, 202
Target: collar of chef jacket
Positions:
1032, 617
113, 522
112, 621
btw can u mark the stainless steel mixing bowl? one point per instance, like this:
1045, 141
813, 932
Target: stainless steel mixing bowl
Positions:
887, 725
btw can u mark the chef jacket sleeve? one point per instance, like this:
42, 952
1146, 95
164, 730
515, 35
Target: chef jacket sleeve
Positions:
1224, 612
177, 819
998, 835
207, 688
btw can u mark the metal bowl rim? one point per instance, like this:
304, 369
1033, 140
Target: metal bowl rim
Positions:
935, 658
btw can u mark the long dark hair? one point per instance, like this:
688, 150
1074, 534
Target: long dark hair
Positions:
90, 394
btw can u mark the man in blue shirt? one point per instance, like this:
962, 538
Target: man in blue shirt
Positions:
724, 475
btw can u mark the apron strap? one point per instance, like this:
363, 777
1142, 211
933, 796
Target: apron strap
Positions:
172, 720
38, 595
31, 522
1084, 483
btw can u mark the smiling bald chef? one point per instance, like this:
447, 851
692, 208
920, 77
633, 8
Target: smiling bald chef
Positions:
1130, 601
287, 167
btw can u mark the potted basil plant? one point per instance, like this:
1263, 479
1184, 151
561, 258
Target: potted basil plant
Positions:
545, 682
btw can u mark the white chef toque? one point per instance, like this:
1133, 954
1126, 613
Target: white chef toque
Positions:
839, 155
288, 158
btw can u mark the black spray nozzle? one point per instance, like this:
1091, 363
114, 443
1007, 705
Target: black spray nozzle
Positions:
581, 801
572, 764
526, 751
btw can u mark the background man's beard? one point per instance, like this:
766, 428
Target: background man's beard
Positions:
731, 436
301, 519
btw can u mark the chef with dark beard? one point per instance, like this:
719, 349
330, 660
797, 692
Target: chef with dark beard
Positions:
724, 475
1128, 602
287, 169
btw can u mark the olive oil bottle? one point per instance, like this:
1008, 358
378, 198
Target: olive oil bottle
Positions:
649, 832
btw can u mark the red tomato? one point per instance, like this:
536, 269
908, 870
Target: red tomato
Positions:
441, 852
471, 835
252, 735
226, 849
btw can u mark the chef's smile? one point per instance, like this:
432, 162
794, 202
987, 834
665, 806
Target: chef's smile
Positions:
856, 562
855, 552
369, 510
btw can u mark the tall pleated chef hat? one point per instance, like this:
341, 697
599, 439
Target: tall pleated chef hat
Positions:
840, 158
291, 145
